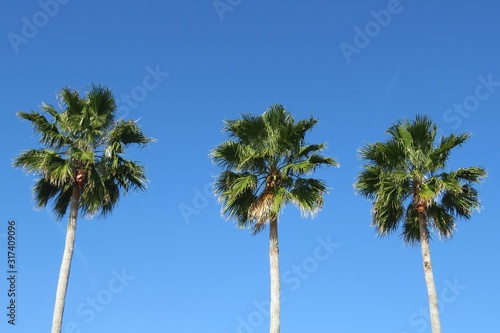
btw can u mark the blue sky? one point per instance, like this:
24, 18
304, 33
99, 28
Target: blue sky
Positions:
165, 260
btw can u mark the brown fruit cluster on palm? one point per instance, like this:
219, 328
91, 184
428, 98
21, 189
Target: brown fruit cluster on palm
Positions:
81, 165
406, 180
266, 164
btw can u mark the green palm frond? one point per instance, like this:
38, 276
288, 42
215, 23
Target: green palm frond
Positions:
439, 156
308, 150
44, 191
73, 103
461, 203
101, 107
472, 174
62, 200
46, 163
127, 133
248, 129
442, 221
50, 135
307, 194
83, 157
244, 182
386, 215
411, 226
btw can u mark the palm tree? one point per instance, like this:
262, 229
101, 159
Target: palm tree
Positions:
266, 163
407, 182
81, 165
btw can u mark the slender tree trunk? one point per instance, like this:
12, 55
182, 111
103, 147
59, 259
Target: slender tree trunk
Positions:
62, 284
429, 276
275, 277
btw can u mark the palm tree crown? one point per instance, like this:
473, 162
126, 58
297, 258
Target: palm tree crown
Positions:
407, 174
83, 147
266, 161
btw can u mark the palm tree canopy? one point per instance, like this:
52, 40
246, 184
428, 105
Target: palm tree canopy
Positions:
83, 145
266, 164
407, 174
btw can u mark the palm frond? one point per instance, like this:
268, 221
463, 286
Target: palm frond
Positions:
461, 203
47, 163
127, 133
44, 191
441, 154
472, 174
62, 200
387, 214
49, 133
307, 194
411, 226
101, 106
442, 221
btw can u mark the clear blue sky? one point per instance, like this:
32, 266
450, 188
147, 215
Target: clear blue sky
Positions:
183, 67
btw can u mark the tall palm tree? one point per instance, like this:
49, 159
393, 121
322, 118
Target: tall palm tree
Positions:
407, 182
81, 165
266, 163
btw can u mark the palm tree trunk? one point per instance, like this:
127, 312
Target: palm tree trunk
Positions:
275, 277
62, 284
429, 276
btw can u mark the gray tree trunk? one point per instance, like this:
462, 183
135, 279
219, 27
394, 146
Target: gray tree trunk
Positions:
429, 276
62, 284
275, 277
